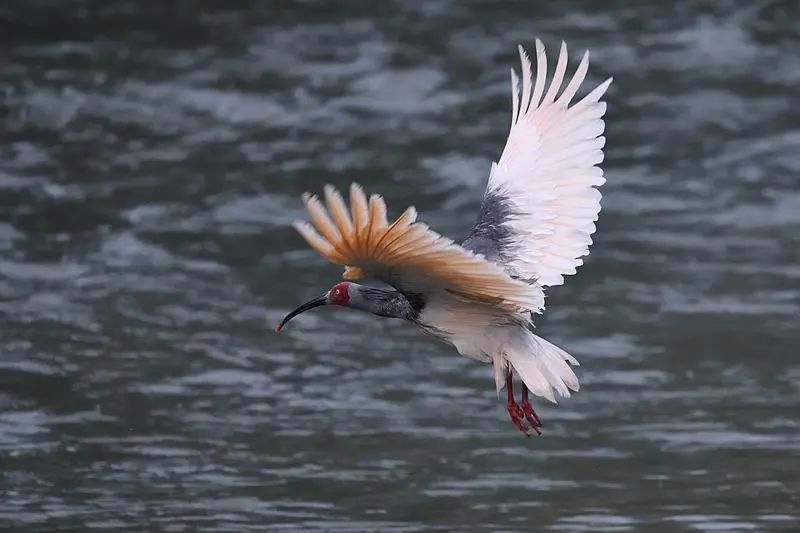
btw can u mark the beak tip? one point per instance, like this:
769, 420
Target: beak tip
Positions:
317, 302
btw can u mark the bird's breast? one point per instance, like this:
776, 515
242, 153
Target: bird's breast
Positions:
473, 329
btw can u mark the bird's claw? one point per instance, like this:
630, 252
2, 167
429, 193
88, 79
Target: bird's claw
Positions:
526, 423
523, 415
530, 414
518, 417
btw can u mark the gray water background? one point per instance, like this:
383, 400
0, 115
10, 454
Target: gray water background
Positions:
152, 156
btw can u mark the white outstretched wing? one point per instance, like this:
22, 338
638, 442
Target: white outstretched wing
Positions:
542, 193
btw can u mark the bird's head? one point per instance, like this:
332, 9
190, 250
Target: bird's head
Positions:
339, 294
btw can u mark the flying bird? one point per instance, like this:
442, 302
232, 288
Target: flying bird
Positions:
534, 226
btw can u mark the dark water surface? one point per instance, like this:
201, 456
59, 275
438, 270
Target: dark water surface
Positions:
152, 158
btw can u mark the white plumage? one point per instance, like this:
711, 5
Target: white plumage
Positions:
548, 169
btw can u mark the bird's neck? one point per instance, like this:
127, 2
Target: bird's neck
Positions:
385, 302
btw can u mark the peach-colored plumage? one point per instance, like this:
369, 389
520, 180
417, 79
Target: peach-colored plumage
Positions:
405, 252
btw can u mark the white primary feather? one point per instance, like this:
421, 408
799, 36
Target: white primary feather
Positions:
548, 170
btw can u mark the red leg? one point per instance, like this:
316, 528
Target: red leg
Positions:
530, 414
514, 410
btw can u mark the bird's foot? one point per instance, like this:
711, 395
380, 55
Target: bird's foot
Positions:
523, 416
530, 415
518, 417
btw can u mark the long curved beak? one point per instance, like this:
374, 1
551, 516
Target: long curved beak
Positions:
316, 302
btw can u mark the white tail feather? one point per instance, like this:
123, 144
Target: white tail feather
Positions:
543, 366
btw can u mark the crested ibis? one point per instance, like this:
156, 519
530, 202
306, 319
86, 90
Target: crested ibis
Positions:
534, 226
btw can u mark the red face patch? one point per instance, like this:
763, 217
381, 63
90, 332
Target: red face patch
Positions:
339, 294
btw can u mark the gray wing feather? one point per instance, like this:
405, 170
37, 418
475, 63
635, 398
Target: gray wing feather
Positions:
491, 236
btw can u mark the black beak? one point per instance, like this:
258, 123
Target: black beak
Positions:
316, 302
